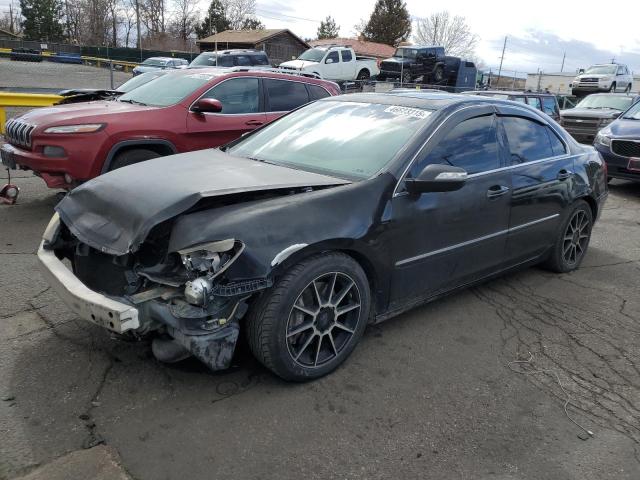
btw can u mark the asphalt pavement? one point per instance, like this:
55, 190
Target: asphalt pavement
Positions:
429, 394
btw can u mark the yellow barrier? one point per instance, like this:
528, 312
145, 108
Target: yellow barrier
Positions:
99, 61
8, 99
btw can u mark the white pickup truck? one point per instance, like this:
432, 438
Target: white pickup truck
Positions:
334, 63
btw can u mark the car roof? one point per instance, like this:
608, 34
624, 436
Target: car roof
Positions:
506, 92
232, 51
161, 58
419, 99
257, 71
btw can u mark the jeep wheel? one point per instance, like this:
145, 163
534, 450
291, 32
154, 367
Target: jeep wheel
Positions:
573, 239
129, 157
311, 320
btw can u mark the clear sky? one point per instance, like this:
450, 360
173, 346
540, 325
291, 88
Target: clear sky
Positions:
539, 32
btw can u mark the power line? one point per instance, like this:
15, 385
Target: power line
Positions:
278, 16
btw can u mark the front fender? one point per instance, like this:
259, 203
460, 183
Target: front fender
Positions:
277, 232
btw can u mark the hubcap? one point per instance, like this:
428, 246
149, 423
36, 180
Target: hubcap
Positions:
576, 238
323, 319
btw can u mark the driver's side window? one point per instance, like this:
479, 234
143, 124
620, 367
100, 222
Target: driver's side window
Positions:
332, 56
472, 144
237, 95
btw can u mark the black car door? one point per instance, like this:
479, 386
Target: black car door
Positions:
445, 239
542, 175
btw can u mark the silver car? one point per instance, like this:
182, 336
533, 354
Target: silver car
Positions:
608, 77
159, 63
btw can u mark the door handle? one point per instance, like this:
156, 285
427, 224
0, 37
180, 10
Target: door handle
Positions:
254, 123
497, 191
564, 174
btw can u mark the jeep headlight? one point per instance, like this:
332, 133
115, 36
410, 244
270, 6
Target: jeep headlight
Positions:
83, 128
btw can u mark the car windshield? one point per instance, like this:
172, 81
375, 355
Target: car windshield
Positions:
154, 62
313, 55
601, 70
344, 139
606, 101
204, 60
166, 90
139, 80
633, 113
406, 52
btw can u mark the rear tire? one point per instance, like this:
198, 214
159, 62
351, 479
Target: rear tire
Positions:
363, 75
310, 321
130, 157
572, 240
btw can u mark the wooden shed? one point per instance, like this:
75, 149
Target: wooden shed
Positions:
280, 45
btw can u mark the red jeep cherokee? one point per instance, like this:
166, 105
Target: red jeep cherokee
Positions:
177, 112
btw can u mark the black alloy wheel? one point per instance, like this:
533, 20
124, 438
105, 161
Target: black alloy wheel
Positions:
573, 239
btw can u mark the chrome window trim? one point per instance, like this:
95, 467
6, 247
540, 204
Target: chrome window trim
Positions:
405, 261
567, 153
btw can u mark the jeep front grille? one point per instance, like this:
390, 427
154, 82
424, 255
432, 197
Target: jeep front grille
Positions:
18, 133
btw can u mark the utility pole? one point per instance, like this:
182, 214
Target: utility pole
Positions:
504, 47
563, 57
138, 27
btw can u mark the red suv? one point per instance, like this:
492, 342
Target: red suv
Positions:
177, 112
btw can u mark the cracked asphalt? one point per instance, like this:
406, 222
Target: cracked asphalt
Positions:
430, 394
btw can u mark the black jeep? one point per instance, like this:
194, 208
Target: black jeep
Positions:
411, 62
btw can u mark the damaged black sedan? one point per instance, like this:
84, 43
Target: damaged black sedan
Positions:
345, 212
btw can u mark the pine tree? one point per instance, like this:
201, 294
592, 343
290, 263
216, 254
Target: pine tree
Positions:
42, 20
389, 23
328, 29
252, 23
215, 21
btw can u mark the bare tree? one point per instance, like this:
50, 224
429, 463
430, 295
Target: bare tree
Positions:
11, 19
184, 20
127, 15
237, 11
452, 33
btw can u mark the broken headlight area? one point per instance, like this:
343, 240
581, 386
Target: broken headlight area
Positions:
183, 298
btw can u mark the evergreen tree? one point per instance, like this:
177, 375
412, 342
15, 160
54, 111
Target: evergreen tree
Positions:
42, 20
389, 23
328, 29
215, 21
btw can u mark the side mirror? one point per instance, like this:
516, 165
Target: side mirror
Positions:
329, 60
616, 114
581, 71
207, 105
437, 178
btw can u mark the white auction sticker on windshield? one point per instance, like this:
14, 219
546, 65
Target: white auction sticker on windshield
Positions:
408, 111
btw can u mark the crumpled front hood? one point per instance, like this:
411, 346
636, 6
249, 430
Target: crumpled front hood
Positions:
115, 212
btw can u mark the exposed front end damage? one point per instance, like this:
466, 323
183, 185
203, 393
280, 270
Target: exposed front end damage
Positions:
182, 299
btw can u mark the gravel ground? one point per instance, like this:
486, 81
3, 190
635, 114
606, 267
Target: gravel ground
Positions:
56, 75
429, 394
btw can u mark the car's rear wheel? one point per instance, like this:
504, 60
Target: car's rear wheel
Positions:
311, 320
363, 75
129, 157
573, 239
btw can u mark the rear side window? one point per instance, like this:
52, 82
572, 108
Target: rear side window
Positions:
549, 106
285, 95
316, 93
260, 60
472, 145
528, 140
238, 95
346, 55
518, 99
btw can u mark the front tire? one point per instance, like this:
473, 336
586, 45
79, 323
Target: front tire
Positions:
571, 245
311, 320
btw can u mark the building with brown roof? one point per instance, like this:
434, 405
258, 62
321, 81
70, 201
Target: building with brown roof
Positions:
280, 45
380, 51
